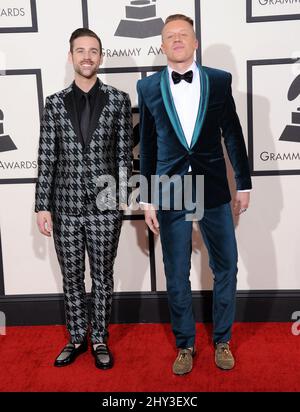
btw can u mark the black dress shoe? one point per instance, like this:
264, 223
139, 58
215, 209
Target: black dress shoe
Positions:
70, 353
103, 357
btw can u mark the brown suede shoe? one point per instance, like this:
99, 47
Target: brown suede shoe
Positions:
184, 362
223, 357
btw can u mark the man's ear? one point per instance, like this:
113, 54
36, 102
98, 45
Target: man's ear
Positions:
70, 57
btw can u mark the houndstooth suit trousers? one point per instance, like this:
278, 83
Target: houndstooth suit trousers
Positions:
99, 236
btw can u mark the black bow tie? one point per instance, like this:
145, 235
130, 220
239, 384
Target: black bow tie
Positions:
177, 77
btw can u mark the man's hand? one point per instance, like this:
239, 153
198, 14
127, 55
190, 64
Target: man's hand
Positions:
151, 218
241, 202
44, 222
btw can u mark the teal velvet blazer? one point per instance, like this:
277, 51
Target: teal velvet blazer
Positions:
164, 149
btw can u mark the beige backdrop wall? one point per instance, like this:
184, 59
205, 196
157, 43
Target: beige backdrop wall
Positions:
257, 41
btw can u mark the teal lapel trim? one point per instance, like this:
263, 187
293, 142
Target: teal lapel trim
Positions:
170, 107
204, 97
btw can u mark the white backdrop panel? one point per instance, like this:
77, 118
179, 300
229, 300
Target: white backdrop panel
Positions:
12, 15
275, 8
29, 259
20, 107
132, 51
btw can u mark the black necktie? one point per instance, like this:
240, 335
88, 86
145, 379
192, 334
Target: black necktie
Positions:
85, 117
177, 77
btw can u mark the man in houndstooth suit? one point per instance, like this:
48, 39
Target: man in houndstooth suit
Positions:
86, 132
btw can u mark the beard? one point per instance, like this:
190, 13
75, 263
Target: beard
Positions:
88, 73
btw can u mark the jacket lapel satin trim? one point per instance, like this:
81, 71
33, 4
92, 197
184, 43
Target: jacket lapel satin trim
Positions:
170, 107
101, 102
203, 104
70, 106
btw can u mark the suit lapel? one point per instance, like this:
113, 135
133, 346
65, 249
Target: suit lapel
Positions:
170, 107
101, 102
70, 106
204, 97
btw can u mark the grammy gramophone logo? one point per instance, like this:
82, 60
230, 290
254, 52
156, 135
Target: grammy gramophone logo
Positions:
291, 132
141, 21
6, 143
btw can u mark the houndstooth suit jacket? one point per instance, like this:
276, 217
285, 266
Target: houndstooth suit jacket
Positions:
68, 169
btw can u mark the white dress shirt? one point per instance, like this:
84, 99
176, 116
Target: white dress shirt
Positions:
186, 97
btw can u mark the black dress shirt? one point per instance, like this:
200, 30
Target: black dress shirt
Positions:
79, 96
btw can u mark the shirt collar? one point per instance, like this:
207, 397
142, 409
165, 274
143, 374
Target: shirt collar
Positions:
90, 93
192, 67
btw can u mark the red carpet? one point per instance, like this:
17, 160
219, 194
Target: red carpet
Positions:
267, 359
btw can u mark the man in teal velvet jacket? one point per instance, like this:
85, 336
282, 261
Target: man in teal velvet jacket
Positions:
185, 109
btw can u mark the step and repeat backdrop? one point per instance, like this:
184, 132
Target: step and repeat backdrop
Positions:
256, 40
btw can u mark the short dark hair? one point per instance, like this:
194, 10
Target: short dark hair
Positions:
83, 32
174, 17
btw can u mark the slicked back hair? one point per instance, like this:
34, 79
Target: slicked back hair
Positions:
83, 32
